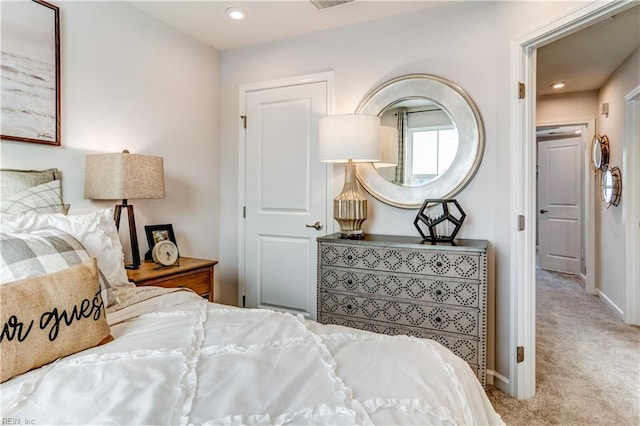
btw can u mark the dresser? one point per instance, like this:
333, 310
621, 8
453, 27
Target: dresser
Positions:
399, 285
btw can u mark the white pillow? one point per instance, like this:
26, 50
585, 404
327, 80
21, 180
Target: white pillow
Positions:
96, 231
45, 198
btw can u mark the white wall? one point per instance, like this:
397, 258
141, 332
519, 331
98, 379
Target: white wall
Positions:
611, 226
468, 43
129, 81
567, 108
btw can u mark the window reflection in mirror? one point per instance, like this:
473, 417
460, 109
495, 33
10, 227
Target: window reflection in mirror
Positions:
427, 141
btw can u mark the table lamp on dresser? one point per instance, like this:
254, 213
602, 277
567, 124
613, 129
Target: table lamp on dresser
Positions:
124, 176
349, 139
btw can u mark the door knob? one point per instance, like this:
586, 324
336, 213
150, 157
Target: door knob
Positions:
543, 211
317, 225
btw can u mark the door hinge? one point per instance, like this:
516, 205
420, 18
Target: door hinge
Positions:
521, 90
244, 121
244, 301
520, 356
244, 212
520, 222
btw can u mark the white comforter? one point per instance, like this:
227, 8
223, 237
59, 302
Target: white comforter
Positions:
177, 359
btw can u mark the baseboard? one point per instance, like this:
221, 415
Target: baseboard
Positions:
498, 380
612, 306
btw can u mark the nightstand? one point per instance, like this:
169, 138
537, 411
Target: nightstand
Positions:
196, 274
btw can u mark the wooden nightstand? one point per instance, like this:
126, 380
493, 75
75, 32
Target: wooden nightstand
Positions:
196, 274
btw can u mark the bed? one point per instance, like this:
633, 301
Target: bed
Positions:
128, 355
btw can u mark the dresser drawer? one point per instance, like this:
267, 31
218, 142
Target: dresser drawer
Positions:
438, 263
401, 286
466, 349
407, 314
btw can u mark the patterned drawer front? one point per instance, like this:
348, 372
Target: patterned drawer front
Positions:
400, 286
466, 349
402, 260
436, 318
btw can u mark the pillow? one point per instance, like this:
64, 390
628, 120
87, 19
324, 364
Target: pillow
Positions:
45, 198
96, 231
27, 255
13, 181
50, 316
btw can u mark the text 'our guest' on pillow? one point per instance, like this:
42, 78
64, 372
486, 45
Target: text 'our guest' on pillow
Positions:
50, 316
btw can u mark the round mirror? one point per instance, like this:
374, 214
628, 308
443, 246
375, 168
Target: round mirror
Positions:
440, 140
599, 152
611, 185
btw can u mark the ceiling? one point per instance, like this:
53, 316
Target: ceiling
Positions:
584, 60
269, 20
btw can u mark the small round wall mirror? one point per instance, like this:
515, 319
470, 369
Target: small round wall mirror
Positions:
439, 145
599, 152
611, 186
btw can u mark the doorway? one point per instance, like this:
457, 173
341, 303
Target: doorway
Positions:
560, 201
522, 315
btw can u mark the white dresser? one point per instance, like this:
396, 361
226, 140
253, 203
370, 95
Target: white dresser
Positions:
400, 285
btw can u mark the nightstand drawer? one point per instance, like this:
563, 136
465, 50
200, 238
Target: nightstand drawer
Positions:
195, 274
197, 280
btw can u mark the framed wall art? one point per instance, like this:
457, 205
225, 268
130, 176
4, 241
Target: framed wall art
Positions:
30, 74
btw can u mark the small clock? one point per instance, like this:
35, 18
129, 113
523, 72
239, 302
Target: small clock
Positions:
165, 253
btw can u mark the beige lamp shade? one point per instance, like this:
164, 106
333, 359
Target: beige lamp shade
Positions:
347, 137
388, 147
123, 176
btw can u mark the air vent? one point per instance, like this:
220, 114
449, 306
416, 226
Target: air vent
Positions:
323, 4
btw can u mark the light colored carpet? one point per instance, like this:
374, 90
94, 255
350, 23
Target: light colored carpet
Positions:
588, 362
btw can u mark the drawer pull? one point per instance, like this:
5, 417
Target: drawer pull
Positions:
438, 292
349, 257
349, 307
349, 281
438, 319
438, 264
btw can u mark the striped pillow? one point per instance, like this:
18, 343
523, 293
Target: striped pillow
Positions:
45, 198
28, 255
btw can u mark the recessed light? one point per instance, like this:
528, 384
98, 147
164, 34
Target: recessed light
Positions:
236, 13
558, 85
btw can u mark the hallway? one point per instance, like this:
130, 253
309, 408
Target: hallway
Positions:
588, 361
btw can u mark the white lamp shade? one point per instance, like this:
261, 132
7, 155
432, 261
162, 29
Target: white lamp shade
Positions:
123, 176
388, 147
347, 137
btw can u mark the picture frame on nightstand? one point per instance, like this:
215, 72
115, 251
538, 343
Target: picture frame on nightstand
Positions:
157, 233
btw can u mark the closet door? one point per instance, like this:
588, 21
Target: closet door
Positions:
285, 190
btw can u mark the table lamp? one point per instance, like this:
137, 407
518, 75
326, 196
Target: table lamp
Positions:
388, 147
124, 176
349, 139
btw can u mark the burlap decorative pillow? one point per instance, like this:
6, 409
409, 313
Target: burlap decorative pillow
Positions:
50, 316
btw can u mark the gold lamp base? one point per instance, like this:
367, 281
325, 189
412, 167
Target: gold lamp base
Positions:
350, 206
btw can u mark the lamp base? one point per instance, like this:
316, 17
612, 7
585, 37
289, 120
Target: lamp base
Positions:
133, 236
350, 206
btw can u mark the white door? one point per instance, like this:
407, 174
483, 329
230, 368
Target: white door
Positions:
560, 205
285, 191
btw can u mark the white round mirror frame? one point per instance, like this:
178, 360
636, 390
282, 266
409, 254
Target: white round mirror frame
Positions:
467, 120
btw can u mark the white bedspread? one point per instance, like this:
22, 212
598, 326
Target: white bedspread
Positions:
177, 359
